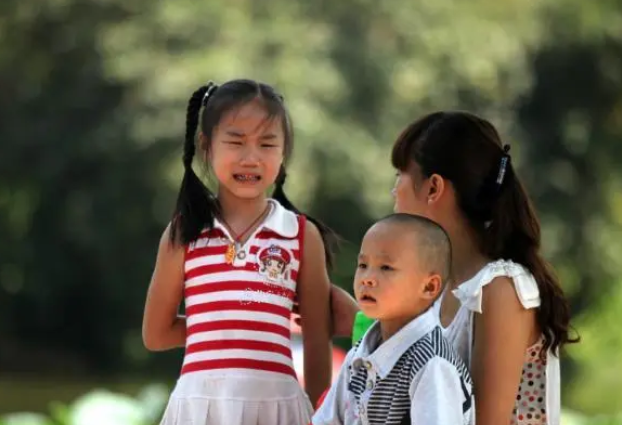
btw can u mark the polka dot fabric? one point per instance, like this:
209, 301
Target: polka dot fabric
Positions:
530, 408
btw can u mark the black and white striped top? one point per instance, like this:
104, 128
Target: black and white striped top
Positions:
414, 377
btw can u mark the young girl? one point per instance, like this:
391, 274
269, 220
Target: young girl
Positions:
505, 312
238, 260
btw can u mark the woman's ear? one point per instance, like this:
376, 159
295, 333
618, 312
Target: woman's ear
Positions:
436, 187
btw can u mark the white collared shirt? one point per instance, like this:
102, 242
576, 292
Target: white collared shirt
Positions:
415, 371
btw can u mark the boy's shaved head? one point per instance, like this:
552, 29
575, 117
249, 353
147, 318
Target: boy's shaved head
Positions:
432, 246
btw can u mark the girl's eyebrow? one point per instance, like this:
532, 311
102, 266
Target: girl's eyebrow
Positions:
234, 133
240, 134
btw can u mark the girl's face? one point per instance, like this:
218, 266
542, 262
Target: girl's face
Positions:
274, 264
246, 151
410, 195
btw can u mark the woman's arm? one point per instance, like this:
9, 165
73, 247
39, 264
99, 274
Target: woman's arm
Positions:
502, 335
163, 329
344, 309
343, 312
313, 292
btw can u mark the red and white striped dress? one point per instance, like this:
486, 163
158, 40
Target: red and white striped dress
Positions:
238, 367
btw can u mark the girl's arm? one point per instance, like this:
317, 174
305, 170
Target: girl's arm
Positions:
163, 329
502, 335
313, 292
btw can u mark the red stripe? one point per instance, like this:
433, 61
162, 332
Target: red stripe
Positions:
244, 325
219, 268
224, 267
238, 344
238, 305
207, 250
239, 285
222, 250
302, 224
263, 234
238, 364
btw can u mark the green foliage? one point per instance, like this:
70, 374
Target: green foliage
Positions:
101, 407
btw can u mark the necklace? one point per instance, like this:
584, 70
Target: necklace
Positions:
233, 249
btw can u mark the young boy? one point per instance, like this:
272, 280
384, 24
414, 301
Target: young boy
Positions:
402, 371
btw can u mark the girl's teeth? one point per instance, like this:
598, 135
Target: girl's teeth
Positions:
246, 177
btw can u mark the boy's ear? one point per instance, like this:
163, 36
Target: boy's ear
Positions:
432, 287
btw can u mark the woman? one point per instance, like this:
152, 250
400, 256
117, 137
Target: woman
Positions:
503, 310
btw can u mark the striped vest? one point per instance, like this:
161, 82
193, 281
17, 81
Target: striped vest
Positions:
389, 403
238, 315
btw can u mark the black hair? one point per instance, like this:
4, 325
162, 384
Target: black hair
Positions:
467, 150
196, 205
433, 244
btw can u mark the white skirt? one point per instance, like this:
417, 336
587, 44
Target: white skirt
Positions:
237, 397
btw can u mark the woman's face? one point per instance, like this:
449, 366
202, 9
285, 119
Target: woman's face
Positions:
410, 195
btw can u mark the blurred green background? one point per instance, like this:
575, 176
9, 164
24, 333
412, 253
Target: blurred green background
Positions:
92, 105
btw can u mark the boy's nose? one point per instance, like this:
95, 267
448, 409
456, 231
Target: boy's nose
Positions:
369, 280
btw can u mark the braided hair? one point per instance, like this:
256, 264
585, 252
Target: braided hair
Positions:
196, 205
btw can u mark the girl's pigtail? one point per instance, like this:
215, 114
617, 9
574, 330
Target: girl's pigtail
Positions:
329, 237
196, 205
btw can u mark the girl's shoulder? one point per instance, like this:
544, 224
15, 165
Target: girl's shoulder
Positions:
470, 292
285, 222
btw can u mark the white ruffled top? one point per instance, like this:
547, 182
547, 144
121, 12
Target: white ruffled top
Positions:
538, 398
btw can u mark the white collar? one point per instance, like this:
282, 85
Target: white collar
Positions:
383, 358
279, 220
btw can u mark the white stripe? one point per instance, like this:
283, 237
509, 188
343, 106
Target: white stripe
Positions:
205, 260
203, 242
253, 316
208, 260
247, 296
193, 384
234, 275
237, 354
291, 244
238, 334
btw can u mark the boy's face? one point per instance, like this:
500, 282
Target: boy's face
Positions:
390, 284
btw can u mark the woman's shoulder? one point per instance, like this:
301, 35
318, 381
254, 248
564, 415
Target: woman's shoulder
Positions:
470, 293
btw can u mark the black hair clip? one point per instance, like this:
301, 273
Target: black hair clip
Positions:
491, 190
211, 88
503, 165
